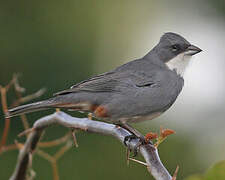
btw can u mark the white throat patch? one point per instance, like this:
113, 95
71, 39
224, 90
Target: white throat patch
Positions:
179, 63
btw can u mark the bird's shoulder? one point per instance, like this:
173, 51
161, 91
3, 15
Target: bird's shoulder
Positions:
142, 71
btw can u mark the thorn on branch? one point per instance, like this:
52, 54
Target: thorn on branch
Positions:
139, 162
57, 109
74, 137
90, 116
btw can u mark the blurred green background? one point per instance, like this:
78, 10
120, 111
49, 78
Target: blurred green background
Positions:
55, 44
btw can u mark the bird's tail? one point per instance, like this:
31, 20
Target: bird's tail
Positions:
69, 101
27, 108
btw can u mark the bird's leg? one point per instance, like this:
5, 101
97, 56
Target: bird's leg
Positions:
135, 133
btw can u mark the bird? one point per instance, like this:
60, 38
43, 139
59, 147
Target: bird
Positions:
139, 90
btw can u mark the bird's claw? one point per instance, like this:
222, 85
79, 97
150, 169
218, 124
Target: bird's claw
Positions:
141, 141
128, 139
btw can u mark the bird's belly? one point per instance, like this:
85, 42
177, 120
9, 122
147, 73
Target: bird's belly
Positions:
135, 119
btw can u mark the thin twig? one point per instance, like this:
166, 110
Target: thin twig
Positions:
23, 116
74, 138
7, 120
24, 120
52, 161
12, 81
17, 86
25, 156
55, 170
27, 98
63, 149
45, 155
8, 148
54, 142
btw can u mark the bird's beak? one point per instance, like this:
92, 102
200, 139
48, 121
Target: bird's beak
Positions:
192, 50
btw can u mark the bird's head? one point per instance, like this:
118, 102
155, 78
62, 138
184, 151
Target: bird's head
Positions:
175, 51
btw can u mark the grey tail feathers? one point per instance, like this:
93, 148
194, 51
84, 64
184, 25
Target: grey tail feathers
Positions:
27, 108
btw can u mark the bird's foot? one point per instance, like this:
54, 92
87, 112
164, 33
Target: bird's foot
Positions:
142, 141
141, 138
126, 141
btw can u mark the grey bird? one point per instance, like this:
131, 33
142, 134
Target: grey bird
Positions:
141, 89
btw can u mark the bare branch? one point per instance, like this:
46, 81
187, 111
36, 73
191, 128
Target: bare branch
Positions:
24, 157
54, 142
148, 151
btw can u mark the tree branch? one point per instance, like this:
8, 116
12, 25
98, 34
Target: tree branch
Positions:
25, 158
148, 151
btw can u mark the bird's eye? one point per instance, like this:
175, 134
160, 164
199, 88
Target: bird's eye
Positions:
175, 48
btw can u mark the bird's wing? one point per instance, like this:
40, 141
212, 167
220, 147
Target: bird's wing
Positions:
106, 82
112, 82
144, 79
